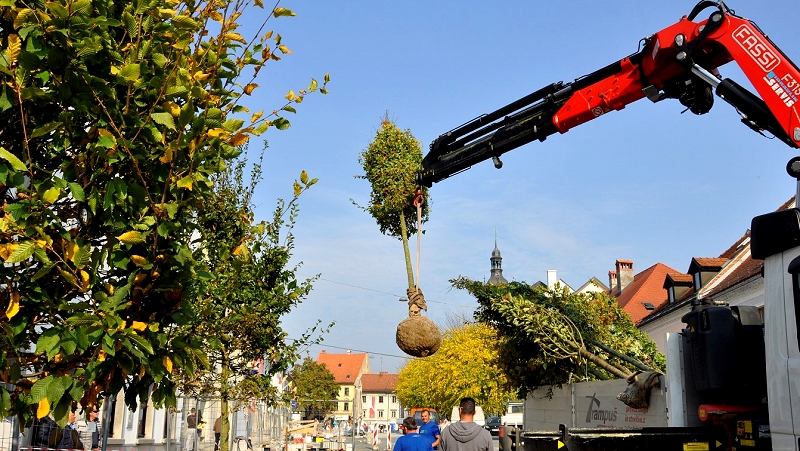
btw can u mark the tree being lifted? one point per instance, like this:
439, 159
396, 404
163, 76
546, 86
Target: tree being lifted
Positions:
552, 337
390, 165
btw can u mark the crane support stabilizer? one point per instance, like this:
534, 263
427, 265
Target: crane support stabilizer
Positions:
679, 62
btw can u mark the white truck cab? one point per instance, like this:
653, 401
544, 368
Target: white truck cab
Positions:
776, 239
513, 415
479, 418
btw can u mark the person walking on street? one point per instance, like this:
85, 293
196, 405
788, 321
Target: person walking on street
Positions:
465, 434
412, 440
430, 428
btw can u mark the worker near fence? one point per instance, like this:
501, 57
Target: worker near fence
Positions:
412, 440
465, 434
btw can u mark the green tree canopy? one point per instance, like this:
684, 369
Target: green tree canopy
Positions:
249, 288
549, 337
116, 116
390, 164
315, 388
466, 364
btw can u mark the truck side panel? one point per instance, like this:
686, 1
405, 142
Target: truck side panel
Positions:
677, 412
591, 405
783, 357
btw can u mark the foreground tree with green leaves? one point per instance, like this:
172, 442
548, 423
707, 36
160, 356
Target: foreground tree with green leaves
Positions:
465, 365
315, 388
116, 116
551, 337
248, 288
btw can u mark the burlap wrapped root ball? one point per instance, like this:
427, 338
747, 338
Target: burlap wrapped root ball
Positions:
418, 336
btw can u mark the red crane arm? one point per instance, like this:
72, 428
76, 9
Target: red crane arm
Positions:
679, 62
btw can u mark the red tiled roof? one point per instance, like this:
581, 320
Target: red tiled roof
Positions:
709, 263
382, 382
679, 278
747, 269
733, 250
345, 367
647, 286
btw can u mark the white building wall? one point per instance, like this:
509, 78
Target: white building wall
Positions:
390, 405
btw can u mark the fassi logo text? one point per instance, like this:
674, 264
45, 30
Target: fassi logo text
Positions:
756, 47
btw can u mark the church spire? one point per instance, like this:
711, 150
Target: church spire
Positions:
496, 276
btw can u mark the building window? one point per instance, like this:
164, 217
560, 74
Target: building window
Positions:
347, 407
380, 413
347, 392
671, 294
364, 399
698, 281
394, 401
394, 414
380, 399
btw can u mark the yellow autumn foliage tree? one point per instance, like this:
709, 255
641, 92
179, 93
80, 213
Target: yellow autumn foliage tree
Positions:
465, 365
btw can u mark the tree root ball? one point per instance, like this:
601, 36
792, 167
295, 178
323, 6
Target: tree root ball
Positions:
418, 336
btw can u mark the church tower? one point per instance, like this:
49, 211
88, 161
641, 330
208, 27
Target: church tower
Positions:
496, 276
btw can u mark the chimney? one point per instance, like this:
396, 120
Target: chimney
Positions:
624, 273
612, 281
552, 278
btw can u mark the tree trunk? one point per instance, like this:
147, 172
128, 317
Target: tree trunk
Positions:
619, 372
622, 356
404, 233
225, 426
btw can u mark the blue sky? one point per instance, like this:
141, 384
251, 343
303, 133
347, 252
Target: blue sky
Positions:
647, 183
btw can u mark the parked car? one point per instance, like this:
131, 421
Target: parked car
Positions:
493, 424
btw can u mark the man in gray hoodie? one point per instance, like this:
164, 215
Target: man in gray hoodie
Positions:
465, 434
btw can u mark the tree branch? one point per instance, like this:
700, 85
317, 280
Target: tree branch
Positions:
619, 372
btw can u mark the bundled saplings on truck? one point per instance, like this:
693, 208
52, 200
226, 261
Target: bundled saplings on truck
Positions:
733, 378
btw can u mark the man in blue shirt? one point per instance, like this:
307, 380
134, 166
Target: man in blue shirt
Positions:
430, 428
412, 440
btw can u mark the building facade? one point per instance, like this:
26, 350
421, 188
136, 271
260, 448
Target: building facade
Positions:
347, 370
379, 399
